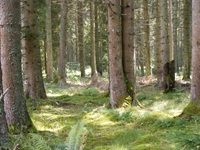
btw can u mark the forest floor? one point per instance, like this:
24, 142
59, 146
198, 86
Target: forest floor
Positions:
153, 126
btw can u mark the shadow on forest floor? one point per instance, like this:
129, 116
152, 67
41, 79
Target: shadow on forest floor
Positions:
152, 127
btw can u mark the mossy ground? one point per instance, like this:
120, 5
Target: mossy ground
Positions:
153, 127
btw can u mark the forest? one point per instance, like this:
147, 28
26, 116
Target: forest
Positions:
99, 75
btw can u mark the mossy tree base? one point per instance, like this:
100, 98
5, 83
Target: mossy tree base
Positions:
191, 109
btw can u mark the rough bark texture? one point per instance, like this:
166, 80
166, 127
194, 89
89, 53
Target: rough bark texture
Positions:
164, 40
186, 40
171, 50
33, 80
49, 41
146, 38
175, 34
195, 85
14, 103
128, 47
169, 71
63, 42
116, 74
3, 124
92, 40
158, 45
81, 38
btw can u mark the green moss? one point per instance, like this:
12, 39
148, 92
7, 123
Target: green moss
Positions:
192, 109
147, 139
147, 147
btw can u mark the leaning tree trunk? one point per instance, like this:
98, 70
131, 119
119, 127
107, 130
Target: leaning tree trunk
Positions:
14, 103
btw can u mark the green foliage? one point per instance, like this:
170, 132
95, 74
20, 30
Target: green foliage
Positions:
186, 141
92, 91
77, 136
32, 141
121, 116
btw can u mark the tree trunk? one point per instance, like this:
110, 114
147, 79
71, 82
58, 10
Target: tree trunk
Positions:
186, 40
175, 34
128, 47
171, 50
146, 38
92, 41
194, 106
81, 38
195, 85
3, 124
63, 41
14, 103
158, 45
49, 42
33, 83
164, 45
116, 74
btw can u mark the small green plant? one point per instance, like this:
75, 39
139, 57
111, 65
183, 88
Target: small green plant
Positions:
92, 91
77, 136
186, 141
32, 141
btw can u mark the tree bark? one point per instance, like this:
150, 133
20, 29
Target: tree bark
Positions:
3, 124
195, 84
81, 38
14, 103
128, 47
158, 45
116, 74
186, 40
49, 42
33, 83
63, 42
92, 41
146, 38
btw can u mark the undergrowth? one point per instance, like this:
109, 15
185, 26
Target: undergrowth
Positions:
153, 127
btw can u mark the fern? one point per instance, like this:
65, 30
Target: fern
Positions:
34, 142
77, 136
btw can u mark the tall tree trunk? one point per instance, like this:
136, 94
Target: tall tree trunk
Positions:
92, 41
14, 103
81, 45
186, 40
171, 50
194, 106
166, 85
116, 74
175, 32
33, 83
195, 85
3, 124
146, 36
49, 41
128, 47
63, 42
158, 45
97, 37
121, 51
